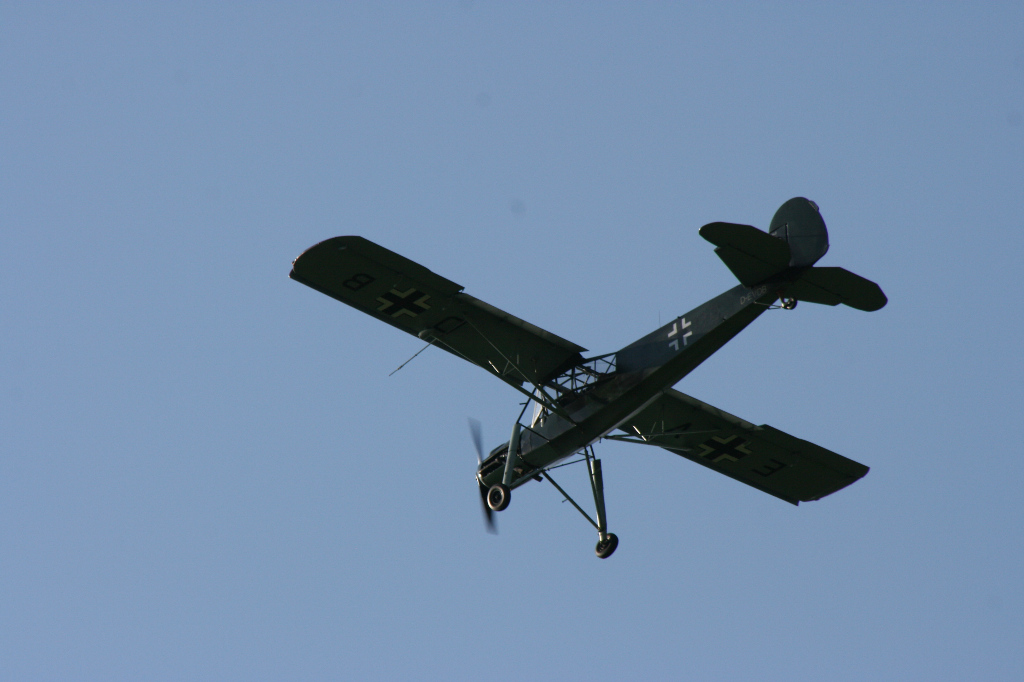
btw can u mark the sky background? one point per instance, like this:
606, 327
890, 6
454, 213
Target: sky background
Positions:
207, 473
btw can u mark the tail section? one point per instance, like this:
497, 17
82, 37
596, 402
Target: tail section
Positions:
785, 255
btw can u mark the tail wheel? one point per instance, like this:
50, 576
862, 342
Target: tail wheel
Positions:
498, 497
606, 547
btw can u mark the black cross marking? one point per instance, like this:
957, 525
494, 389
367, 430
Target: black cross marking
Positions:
716, 449
410, 302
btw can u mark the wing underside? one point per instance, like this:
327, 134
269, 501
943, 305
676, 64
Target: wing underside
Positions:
410, 297
763, 457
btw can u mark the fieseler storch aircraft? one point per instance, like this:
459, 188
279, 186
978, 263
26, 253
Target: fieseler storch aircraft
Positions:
627, 395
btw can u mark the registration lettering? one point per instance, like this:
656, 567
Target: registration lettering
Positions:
754, 295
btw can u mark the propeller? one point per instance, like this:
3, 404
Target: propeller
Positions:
478, 442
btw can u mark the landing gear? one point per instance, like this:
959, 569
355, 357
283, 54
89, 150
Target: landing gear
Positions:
605, 547
606, 542
789, 303
500, 494
498, 497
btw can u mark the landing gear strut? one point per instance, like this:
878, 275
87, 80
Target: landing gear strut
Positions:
500, 494
606, 542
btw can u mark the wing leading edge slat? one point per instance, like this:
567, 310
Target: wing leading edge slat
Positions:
763, 457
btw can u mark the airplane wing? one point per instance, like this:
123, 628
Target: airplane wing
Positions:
760, 456
410, 297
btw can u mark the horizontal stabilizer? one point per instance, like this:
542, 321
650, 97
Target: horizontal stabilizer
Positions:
832, 286
752, 255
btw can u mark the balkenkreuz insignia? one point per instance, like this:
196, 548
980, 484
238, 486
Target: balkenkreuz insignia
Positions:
410, 302
732, 448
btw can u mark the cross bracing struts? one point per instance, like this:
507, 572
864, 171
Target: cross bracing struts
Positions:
573, 382
588, 372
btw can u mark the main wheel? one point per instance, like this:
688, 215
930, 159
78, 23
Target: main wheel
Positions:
498, 497
606, 547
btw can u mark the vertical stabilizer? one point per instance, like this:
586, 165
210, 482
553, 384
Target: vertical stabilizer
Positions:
798, 222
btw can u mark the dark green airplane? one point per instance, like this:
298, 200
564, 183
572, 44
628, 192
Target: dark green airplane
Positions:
626, 395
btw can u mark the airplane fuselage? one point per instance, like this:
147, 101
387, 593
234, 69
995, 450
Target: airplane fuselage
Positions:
642, 371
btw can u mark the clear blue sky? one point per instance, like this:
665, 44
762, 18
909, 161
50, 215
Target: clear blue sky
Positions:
206, 472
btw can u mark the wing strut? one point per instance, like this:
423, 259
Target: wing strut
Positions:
545, 400
429, 344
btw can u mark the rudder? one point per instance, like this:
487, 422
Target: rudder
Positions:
798, 222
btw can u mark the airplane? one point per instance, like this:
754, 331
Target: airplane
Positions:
626, 395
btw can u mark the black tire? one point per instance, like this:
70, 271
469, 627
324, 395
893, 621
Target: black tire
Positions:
498, 497
606, 547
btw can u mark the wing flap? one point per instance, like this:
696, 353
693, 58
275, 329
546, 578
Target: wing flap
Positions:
763, 457
416, 300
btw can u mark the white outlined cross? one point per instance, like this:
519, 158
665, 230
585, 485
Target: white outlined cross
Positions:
678, 326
